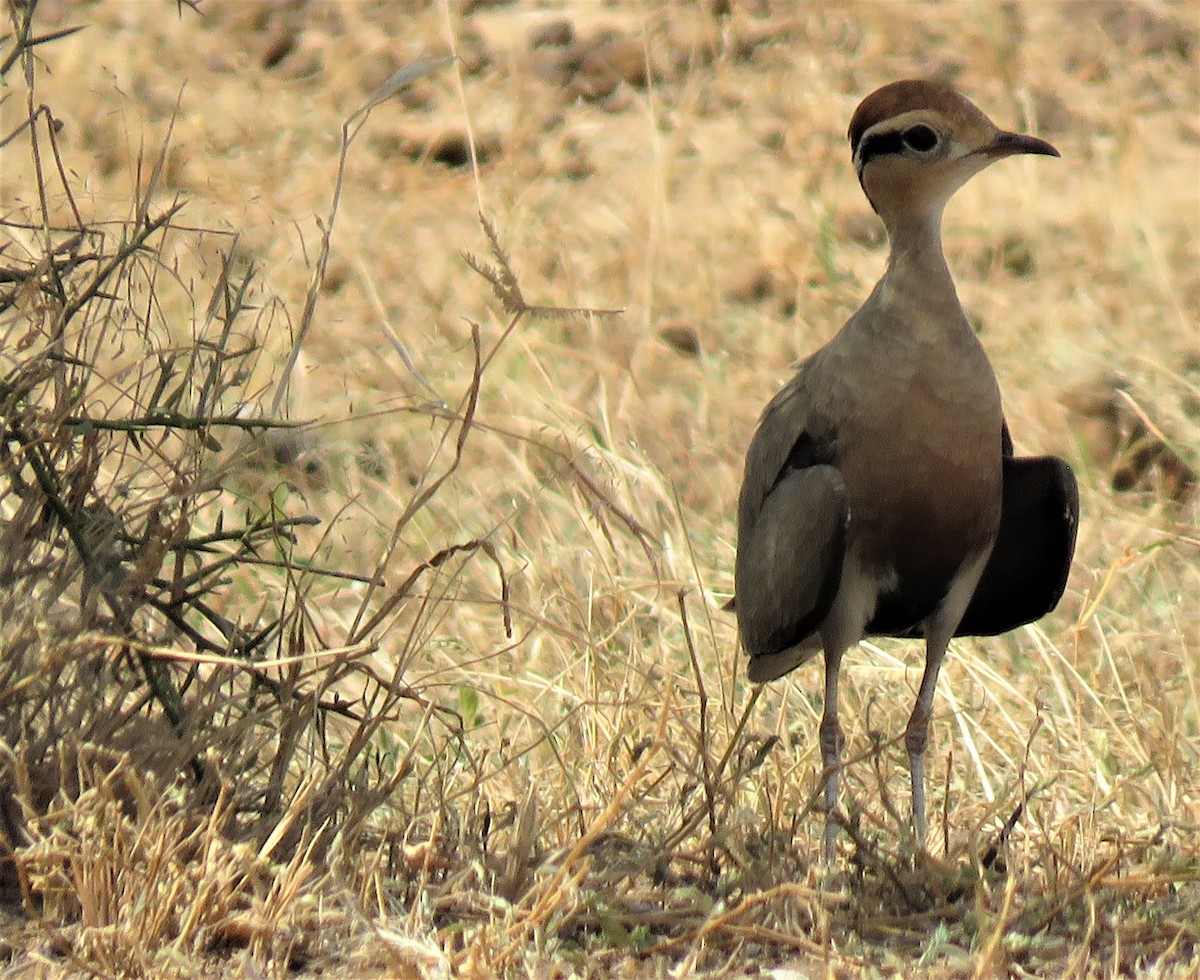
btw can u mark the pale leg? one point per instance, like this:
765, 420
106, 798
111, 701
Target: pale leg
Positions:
938, 630
916, 735
831, 751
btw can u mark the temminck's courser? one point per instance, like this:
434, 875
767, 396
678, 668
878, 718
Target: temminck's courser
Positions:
881, 495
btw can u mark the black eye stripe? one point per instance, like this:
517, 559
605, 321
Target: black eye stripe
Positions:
879, 144
919, 137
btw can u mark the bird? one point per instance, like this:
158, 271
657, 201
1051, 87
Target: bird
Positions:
881, 495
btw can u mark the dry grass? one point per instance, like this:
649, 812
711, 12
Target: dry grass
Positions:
438, 683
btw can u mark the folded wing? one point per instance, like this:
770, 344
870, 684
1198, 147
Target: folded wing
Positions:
789, 566
1027, 571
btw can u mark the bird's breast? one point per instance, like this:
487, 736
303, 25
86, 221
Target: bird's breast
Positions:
923, 471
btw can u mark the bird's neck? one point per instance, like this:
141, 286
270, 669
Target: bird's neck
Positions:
916, 253
917, 279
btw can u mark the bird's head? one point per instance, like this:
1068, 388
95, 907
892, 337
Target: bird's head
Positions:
915, 143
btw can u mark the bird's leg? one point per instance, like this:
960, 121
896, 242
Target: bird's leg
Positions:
916, 735
831, 750
938, 630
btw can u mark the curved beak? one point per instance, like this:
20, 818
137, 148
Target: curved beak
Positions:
1009, 144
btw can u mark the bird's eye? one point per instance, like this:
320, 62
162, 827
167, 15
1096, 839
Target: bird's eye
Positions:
920, 138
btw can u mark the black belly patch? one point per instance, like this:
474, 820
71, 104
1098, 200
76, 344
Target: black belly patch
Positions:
901, 611
921, 586
922, 549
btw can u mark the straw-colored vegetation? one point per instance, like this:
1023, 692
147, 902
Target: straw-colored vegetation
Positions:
437, 682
